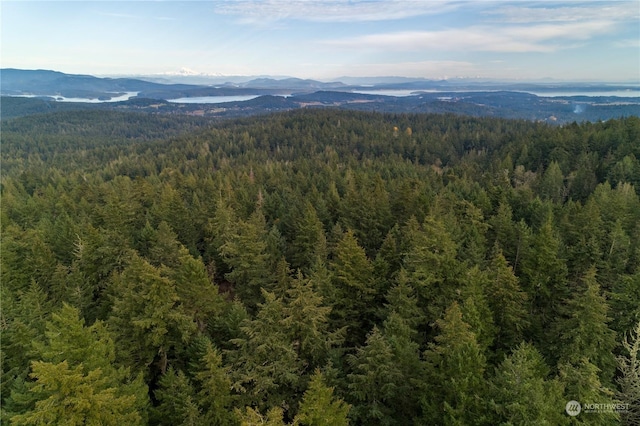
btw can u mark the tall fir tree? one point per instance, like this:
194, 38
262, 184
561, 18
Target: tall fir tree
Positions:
629, 378
245, 251
508, 303
319, 407
148, 315
522, 393
455, 371
76, 381
354, 289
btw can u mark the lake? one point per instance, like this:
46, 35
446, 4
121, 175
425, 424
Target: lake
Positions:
213, 99
623, 93
58, 98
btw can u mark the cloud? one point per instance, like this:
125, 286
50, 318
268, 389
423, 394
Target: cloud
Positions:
527, 38
634, 43
565, 12
428, 69
255, 11
118, 15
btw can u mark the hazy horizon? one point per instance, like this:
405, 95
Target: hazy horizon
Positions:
328, 40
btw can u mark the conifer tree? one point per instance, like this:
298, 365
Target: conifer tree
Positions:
319, 407
354, 289
373, 384
544, 278
508, 303
455, 371
252, 417
625, 302
585, 333
266, 367
306, 321
522, 393
198, 295
176, 401
629, 380
148, 315
309, 240
401, 300
431, 266
214, 382
475, 307
245, 251
552, 184
587, 363
75, 378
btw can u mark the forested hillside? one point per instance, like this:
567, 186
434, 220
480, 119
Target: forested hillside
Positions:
318, 267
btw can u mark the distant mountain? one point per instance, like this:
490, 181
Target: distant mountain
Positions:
52, 83
579, 102
45, 83
291, 84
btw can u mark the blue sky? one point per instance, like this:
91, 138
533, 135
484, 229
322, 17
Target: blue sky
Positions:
327, 39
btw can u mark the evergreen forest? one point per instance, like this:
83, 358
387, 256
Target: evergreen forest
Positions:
319, 267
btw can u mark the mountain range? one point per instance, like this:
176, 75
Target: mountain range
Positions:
32, 91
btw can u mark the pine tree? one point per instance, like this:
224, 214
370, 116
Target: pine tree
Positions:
354, 289
266, 367
586, 362
198, 295
552, 184
319, 407
431, 265
625, 302
245, 252
629, 380
309, 240
75, 380
475, 307
373, 384
455, 371
401, 300
176, 401
508, 303
252, 417
522, 394
585, 333
544, 278
214, 396
306, 321
148, 315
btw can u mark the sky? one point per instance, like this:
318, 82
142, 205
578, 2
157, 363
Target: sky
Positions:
327, 39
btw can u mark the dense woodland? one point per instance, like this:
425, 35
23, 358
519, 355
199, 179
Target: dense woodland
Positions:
318, 267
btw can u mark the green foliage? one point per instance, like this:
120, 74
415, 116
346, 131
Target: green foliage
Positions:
629, 380
585, 333
75, 380
373, 385
176, 400
319, 407
508, 303
215, 389
522, 393
353, 288
455, 368
148, 314
230, 262
246, 254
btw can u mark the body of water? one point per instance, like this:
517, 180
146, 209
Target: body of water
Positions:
623, 93
213, 99
626, 93
125, 97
